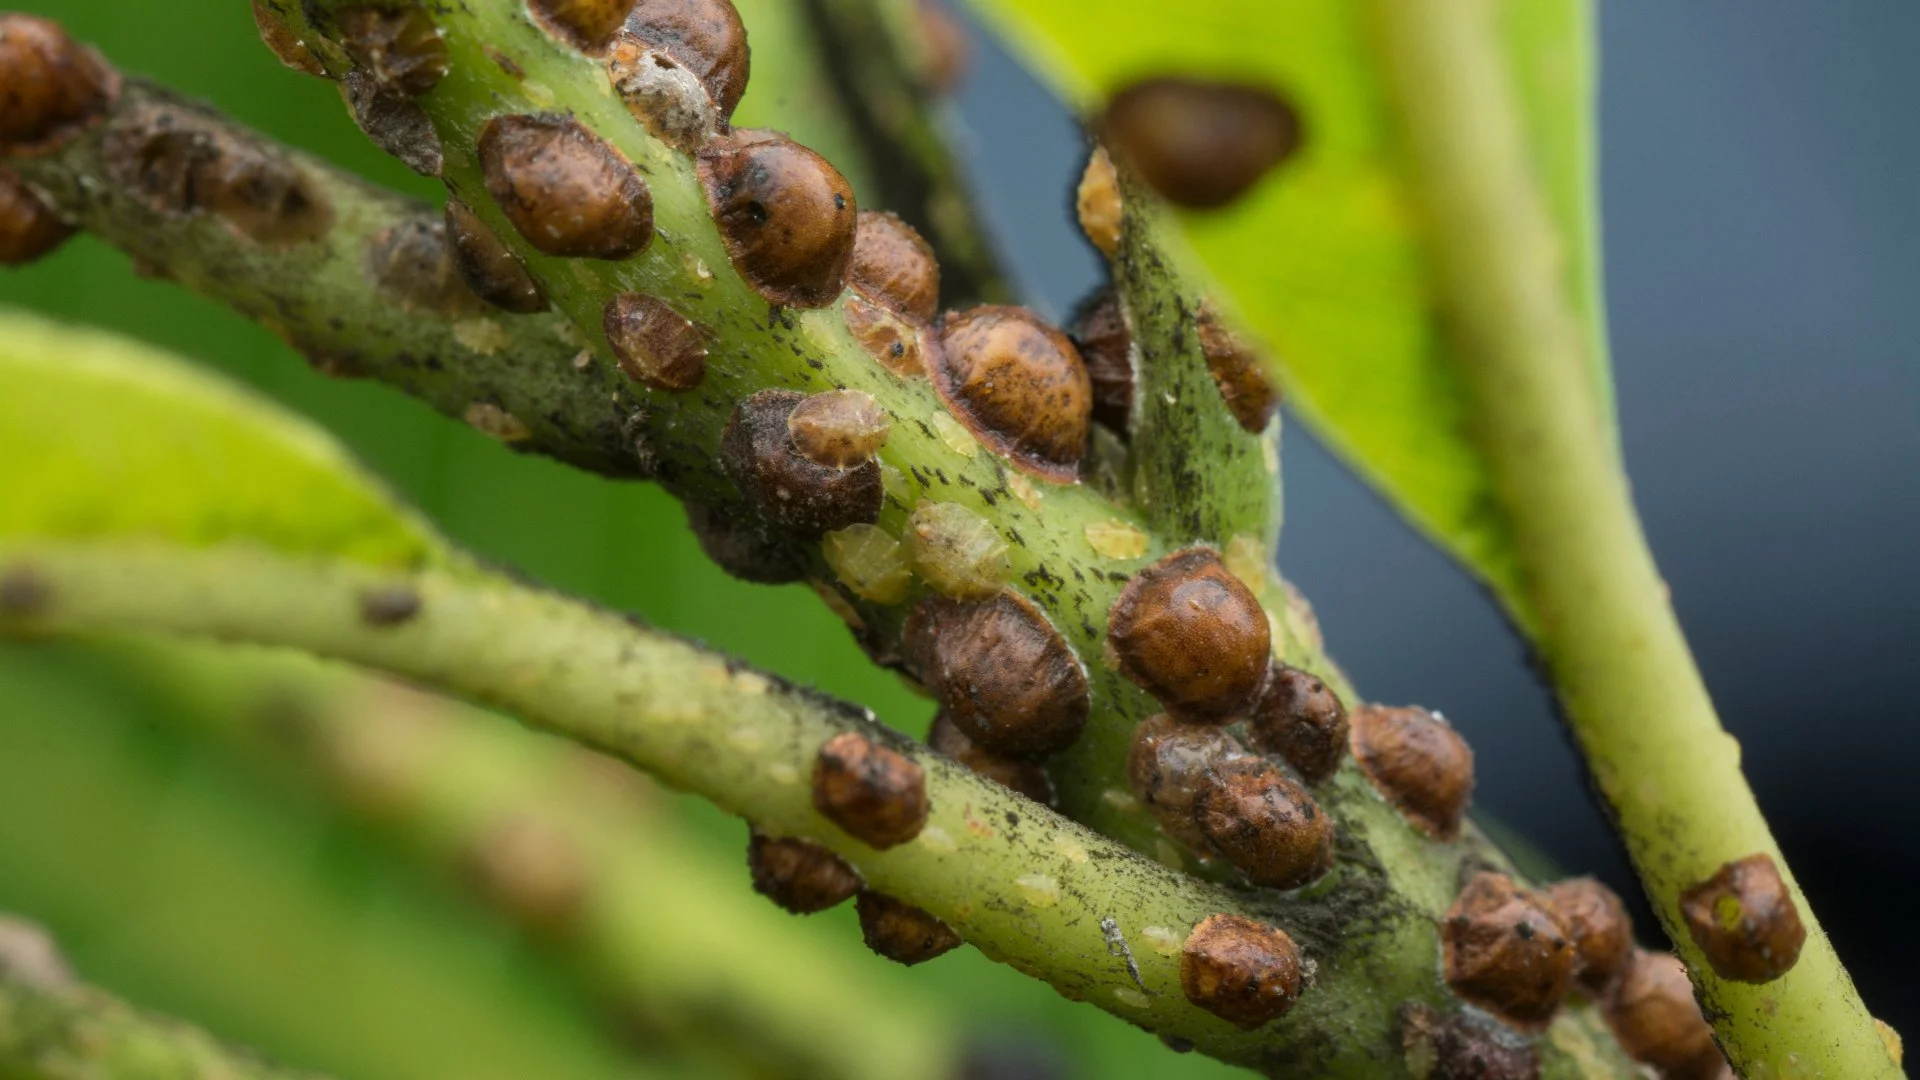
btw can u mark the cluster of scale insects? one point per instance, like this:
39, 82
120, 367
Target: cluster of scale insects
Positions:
1230, 764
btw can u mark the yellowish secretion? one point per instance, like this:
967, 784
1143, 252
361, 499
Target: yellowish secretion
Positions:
869, 562
1117, 539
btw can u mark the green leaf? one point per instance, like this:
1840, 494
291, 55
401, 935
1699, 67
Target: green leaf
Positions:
1327, 260
106, 438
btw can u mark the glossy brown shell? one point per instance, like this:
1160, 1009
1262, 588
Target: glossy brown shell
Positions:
893, 265
399, 45
705, 35
566, 190
1244, 972
901, 932
791, 492
799, 875
1744, 920
1019, 385
787, 217
1597, 922
1418, 762
1200, 144
1100, 333
51, 87
1299, 718
1003, 674
654, 345
1504, 951
179, 162
1193, 635
412, 262
1238, 372
587, 25
29, 228
1025, 777
1171, 765
284, 44
1655, 1017
1266, 825
876, 794
494, 273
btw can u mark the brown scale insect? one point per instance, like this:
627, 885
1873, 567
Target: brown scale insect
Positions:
1098, 203
744, 549
29, 228
1193, 635
1171, 765
1457, 1047
413, 263
1506, 952
1266, 825
393, 122
799, 875
840, 429
494, 273
587, 25
878, 795
895, 343
401, 47
1418, 763
1744, 920
179, 162
706, 36
894, 266
787, 217
654, 344
1025, 777
662, 94
946, 52
1301, 720
1239, 970
1236, 370
1654, 1015
1003, 674
389, 605
569, 192
902, 932
790, 491
1200, 144
51, 87
1100, 333
1019, 385
284, 44
1597, 922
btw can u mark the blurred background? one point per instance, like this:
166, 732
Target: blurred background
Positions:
1763, 256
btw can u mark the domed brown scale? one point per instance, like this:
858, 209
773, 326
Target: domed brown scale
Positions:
662, 94
413, 263
799, 875
587, 25
1019, 385
1744, 920
1237, 372
1200, 144
654, 345
1193, 635
705, 35
1418, 762
947, 740
1266, 825
894, 342
1597, 921
1301, 720
393, 122
838, 428
51, 87
790, 491
495, 274
787, 217
878, 795
1100, 332
400, 46
284, 44
1506, 952
1003, 674
894, 266
29, 228
179, 161
565, 189
1239, 970
1655, 1017
902, 932
1170, 767
745, 549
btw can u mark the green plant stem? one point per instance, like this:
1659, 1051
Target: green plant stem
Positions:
1669, 773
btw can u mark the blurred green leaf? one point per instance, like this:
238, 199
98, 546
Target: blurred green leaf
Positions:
1327, 259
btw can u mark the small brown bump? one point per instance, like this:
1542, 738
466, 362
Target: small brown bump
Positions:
1506, 952
1744, 920
1598, 923
393, 122
1171, 765
413, 263
744, 549
389, 605
654, 344
494, 273
1004, 675
1200, 144
401, 47
587, 25
1658, 1022
532, 871
24, 593
945, 51
1100, 333
839, 428
790, 491
662, 94
894, 266
1098, 202
1193, 635
1019, 385
1418, 762
902, 932
1240, 970
801, 876
284, 43
1459, 1047
1302, 720
706, 36
786, 215
1237, 371
1025, 777
1266, 825
878, 795
51, 87
29, 228
569, 192
180, 162
896, 344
